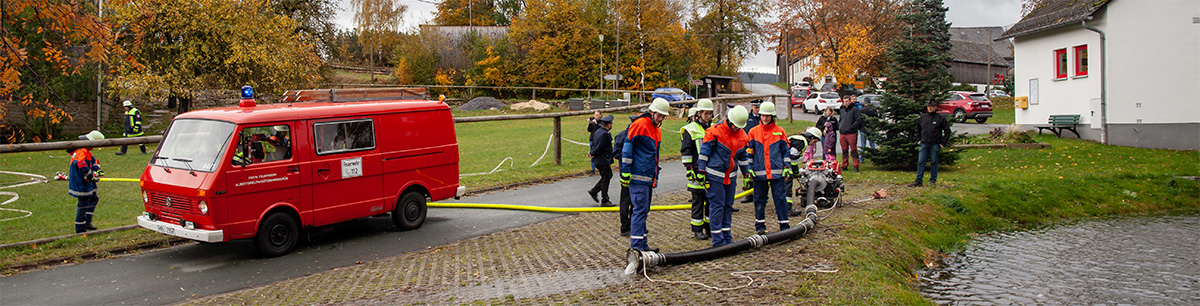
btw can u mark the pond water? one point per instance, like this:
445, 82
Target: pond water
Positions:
1122, 261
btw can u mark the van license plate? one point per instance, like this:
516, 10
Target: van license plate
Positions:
166, 230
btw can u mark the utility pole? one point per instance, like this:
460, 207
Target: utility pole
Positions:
601, 61
99, 69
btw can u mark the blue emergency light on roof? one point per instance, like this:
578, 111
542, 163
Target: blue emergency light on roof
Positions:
247, 97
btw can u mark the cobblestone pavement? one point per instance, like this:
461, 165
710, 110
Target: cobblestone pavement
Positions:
578, 259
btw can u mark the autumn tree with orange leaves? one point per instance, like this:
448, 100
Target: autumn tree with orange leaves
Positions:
842, 38
49, 54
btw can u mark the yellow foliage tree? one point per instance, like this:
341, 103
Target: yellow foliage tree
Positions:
840, 38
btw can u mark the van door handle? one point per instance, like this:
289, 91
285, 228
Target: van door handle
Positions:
323, 170
293, 169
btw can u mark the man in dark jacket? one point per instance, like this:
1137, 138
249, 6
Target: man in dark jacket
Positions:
849, 124
601, 148
593, 125
933, 132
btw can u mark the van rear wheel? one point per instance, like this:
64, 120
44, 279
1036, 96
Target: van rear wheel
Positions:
277, 235
410, 212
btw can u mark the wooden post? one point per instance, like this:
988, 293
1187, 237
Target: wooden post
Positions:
558, 140
535, 95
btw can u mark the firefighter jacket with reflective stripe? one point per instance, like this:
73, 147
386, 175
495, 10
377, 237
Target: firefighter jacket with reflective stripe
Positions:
81, 173
769, 151
692, 136
133, 122
722, 148
639, 156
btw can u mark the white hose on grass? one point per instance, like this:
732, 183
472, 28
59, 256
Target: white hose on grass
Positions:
33, 179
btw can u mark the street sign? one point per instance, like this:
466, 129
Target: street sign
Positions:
612, 77
696, 82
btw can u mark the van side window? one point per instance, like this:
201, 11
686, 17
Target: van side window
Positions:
263, 144
344, 136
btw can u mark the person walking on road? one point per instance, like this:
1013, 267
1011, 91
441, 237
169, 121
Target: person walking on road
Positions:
82, 174
850, 123
601, 154
593, 125
770, 165
133, 125
723, 151
639, 168
933, 132
692, 136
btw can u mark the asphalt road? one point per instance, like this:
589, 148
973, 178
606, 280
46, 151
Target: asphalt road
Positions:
175, 274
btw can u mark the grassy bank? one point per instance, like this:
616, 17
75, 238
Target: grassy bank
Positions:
1002, 190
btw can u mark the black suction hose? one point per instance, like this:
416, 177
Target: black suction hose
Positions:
643, 259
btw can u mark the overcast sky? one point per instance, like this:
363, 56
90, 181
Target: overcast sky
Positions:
963, 13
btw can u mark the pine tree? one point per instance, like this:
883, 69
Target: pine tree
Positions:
917, 73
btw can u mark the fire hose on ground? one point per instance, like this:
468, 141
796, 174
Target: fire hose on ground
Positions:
641, 260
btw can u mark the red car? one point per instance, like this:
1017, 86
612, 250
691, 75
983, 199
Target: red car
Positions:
799, 95
965, 104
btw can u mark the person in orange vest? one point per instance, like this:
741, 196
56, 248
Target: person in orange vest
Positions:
639, 168
83, 173
770, 166
722, 152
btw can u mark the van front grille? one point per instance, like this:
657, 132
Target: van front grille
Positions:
172, 202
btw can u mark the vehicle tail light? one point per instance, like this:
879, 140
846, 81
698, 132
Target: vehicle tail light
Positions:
974, 103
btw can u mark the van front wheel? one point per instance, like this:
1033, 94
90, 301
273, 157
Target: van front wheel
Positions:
409, 213
277, 235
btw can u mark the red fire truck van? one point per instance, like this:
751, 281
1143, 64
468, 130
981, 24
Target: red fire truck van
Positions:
267, 172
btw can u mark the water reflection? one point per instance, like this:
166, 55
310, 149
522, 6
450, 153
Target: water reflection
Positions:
1123, 261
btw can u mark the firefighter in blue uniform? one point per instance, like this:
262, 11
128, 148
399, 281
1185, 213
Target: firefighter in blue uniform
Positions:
133, 125
770, 166
722, 151
692, 136
83, 173
639, 168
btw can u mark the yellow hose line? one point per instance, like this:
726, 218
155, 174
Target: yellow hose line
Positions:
550, 209
562, 209
113, 179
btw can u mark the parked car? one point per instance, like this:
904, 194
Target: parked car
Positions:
997, 93
962, 105
817, 102
798, 96
874, 98
671, 94
802, 85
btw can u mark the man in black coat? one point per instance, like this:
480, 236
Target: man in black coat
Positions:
932, 131
601, 153
848, 126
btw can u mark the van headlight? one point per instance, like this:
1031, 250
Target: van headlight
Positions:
145, 198
203, 207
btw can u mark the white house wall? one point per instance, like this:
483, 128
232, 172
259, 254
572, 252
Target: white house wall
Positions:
1153, 76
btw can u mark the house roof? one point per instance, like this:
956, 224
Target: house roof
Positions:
983, 35
970, 52
1053, 14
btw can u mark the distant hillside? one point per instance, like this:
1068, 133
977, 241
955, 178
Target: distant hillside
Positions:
758, 77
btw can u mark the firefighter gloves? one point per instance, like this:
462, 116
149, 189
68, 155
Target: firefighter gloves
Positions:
625, 179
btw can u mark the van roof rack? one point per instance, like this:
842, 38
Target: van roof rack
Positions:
356, 94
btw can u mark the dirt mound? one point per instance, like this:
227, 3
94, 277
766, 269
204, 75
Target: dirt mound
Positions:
482, 103
534, 104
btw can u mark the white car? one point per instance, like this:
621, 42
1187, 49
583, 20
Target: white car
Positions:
997, 93
817, 102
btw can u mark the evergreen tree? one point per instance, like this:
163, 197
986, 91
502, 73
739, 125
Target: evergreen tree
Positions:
917, 73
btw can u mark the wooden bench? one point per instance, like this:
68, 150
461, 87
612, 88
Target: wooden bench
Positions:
1060, 123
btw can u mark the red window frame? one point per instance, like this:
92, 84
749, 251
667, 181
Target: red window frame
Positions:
1060, 63
1081, 60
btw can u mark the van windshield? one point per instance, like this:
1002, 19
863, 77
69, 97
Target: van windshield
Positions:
200, 142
